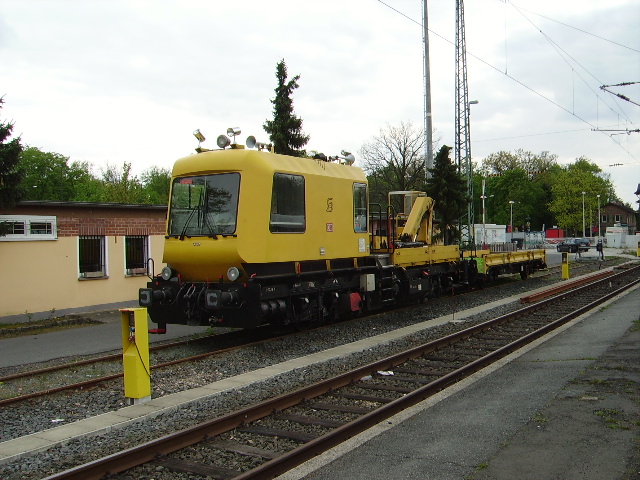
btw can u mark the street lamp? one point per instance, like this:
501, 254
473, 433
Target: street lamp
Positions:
583, 221
484, 216
511, 202
599, 218
472, 240
484, 211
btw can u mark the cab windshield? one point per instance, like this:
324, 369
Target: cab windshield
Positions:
204, 205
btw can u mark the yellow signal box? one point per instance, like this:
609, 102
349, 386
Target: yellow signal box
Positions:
135, 355
565, 265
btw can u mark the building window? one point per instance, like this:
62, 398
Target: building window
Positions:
287, 204
617, 218
604, 219
136, 253
360, 207
40, 228
15, 228
92, 256
27, 228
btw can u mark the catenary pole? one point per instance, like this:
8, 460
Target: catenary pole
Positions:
428, 125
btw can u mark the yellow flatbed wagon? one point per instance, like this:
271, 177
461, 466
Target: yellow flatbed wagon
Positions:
521, 261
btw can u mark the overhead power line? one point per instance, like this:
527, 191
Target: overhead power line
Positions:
492, 66
581, 30
564, 55
593, 127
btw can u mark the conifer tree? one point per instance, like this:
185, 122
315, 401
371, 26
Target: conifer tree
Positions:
285, 130
449, 190
10, 173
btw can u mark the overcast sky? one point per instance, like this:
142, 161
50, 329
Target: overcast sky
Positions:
110, 81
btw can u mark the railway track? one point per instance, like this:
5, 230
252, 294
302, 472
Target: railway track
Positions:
29, 383
271, 437
210, 345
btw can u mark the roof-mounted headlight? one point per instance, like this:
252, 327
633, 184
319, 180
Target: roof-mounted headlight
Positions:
348, 157
223, 141
253, 143
199, 136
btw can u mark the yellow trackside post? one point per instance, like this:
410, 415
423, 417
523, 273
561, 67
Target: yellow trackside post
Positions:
565, 265
135, 355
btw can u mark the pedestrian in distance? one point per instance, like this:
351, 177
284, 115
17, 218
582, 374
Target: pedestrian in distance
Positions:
599, 249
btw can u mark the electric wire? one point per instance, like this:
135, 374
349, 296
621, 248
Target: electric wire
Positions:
532, 90
492, 66
564, 54
540, 134
581, 30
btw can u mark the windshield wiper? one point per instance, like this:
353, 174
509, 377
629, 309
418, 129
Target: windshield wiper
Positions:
212, 233
205, 215
186, 224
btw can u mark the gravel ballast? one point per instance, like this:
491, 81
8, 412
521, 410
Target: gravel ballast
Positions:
38, 415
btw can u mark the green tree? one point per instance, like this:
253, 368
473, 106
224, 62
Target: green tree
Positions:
121, 186
45, 175
155, 184
49, 176
11, 191
532, 163
516, 185
569, 183
449, 190
522, 177
285, 130
86, 186
394, 160
10, 173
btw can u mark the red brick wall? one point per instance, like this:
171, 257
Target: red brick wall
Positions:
73, 226
78, 218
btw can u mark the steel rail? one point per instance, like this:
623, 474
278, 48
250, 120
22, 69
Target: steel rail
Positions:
563, 287
118, 356
96, 381
309, 450
151, 450
115, 376
105, 358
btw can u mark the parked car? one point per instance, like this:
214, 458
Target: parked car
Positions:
574, 245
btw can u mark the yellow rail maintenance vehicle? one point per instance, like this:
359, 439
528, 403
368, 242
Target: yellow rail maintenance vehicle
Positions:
255, 237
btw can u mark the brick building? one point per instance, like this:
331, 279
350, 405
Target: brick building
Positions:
615, 214
61, 257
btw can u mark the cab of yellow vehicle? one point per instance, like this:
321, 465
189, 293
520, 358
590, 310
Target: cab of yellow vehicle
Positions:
260, 213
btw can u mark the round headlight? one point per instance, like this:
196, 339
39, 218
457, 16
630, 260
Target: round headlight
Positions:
166, 273
233, 274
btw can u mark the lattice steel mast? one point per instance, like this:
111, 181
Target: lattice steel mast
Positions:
463, 140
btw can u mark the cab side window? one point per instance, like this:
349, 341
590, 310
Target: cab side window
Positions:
287, 204
360, 207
